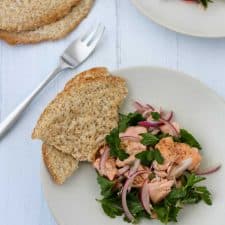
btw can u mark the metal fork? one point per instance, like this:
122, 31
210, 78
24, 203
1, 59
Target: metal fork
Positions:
75, 54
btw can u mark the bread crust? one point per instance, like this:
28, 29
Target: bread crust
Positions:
53, 31
60, 165
23, 15
61, 120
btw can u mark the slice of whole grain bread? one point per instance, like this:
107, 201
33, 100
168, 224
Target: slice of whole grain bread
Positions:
52, 31
60, 165
78, 119
23, 15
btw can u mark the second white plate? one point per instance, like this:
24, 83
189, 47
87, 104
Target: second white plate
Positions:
186, 17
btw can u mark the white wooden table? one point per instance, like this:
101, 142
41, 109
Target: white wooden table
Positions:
130, 39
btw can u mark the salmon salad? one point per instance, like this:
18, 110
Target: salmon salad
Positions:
149, 167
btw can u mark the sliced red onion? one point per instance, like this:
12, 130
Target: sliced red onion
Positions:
178, 170
168, 116
149, 124
146, 113
209, 170
145, 198
131, 138
134, 168
104, 157
150, 107
173, 128
139, 107
123, 170
127, 184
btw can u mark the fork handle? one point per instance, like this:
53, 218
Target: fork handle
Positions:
10, 120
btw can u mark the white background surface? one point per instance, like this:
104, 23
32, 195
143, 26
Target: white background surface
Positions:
130, 39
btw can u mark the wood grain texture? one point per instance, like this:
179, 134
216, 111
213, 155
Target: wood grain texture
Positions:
130, 39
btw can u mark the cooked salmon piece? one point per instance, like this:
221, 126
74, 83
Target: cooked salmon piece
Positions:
159, 189
177, 152
109, 170
134, 131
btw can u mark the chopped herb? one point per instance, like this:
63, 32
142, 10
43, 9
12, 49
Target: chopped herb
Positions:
147, 157
168, 209
112, 206
113, 141
158, 157
131, 119
105, 185
149, 139
155, 116
189, 139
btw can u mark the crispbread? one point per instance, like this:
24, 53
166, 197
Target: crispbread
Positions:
23, 15
79, 118
52, 31
60, 165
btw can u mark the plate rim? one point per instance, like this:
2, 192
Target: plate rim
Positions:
172, 28
116, 72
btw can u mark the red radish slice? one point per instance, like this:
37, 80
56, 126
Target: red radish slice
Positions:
127, 184
145, 198
131, 138
171, 126
104, 157
149, 124
134, 168
209, 170
123, 170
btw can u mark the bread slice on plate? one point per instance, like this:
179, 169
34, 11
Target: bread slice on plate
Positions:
52, 31
60, 165
78, 119
23, 15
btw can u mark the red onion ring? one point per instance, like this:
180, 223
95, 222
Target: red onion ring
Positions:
131, 138
134, 168
149, 124
174, 130
124, 195
168, 116
103, 158
145, 198
150, 107
209, 170
139, 107
123, 170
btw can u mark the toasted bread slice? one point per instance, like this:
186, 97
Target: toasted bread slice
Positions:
23, 15
60, 165
53, 31
78, 119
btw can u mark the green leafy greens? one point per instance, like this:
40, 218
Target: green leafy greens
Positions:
113, 139
168, 209
149, 139
147, 157
189, 139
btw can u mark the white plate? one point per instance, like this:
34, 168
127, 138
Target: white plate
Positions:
186, 17
197, 108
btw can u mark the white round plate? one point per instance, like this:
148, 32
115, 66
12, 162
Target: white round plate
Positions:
186, 17
197, 109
